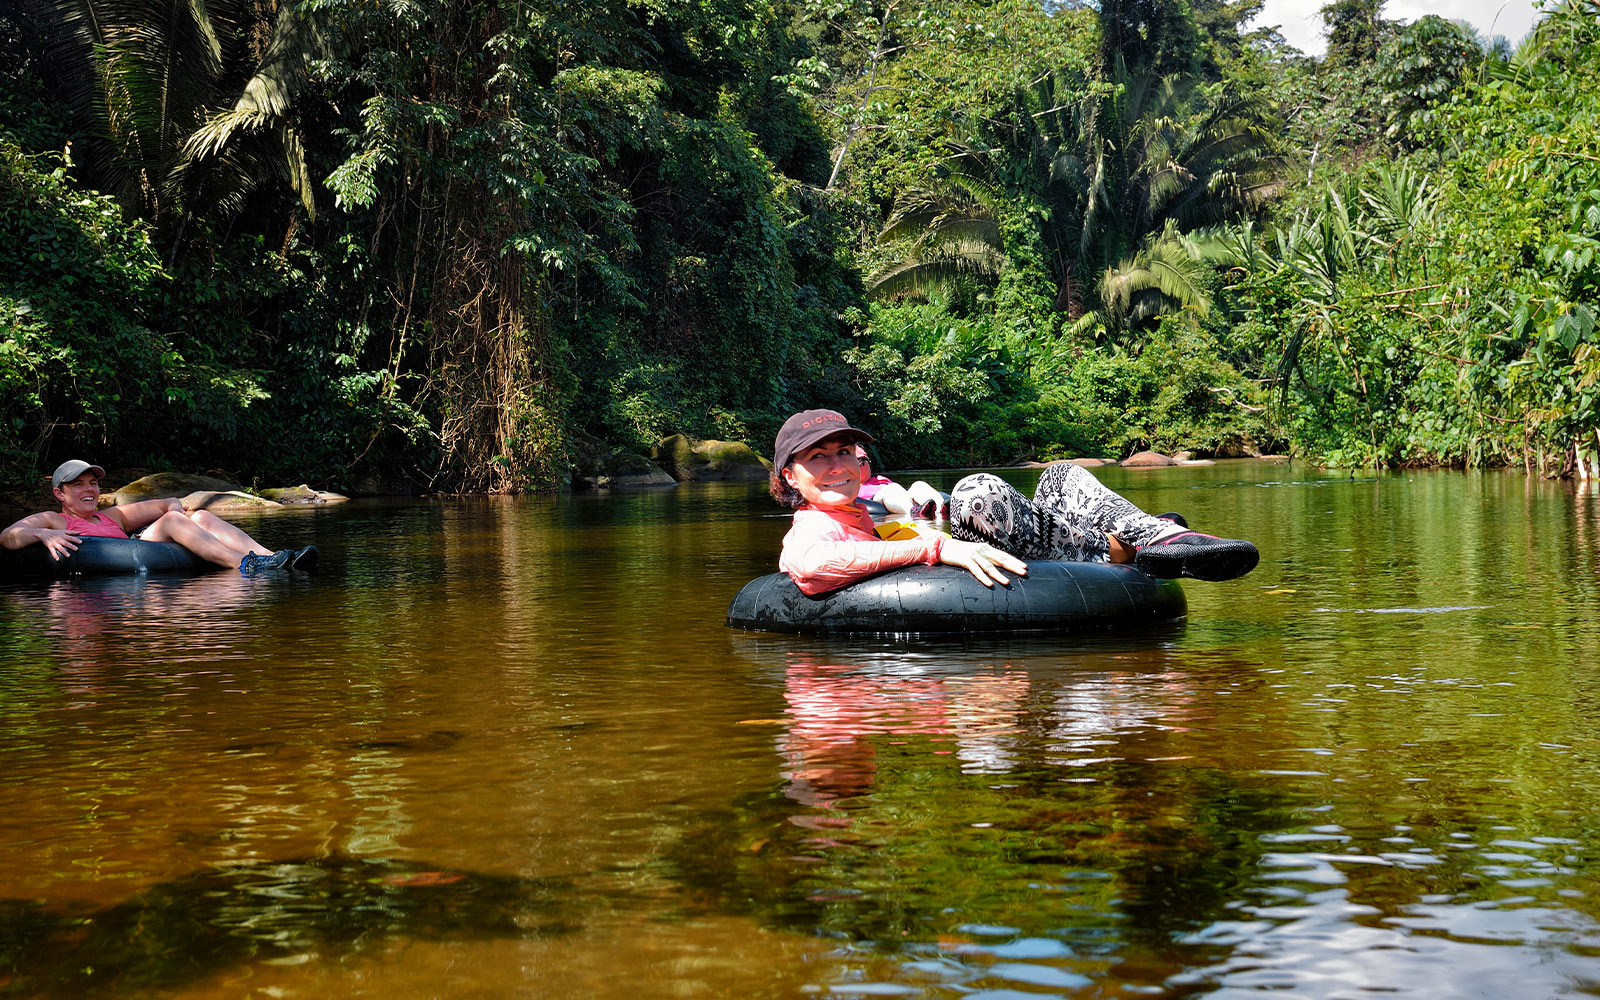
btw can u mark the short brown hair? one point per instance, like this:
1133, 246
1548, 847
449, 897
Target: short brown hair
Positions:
782, 491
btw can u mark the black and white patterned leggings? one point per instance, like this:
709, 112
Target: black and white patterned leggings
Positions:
1068, 518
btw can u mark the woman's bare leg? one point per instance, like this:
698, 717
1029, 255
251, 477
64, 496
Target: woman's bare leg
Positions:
894, 498
175, 526
921, 492
229, 534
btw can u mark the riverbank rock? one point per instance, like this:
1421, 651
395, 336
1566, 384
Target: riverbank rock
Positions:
1148, 460
172, 484
226, 501
1087, 463
676, 455
733, 461
218, 495
708, 461
1240, 446
627, 470
301, 495
589, 456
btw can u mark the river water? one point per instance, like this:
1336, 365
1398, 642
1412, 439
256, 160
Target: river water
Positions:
506, 747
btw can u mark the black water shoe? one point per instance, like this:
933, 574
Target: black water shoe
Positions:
305, 559
252, 564
1203, 557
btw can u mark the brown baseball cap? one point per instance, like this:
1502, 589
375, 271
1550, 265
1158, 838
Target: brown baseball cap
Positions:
806, 428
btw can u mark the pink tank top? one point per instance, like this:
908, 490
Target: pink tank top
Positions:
870, 487
96, 526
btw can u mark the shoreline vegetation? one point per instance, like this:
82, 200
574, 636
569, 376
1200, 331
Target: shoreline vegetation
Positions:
499, 247
203, 491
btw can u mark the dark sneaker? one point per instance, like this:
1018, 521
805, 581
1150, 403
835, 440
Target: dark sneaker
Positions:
252, 564
927, 511
1203, 557
306, 558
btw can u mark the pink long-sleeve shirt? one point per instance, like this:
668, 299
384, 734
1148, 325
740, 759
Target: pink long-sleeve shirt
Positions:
829, 547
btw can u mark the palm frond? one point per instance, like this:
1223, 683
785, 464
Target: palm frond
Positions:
961, 232
1069, 169
1400, 201
296, 42
144, 76
1080, 327
924, 276
943, 231
979, 191
1164, 276
264, 104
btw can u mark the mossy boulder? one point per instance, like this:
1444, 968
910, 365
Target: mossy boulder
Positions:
301, 495
734, 461
709, 461
172, 484
676, 455
589, 457
627, 470
197, 492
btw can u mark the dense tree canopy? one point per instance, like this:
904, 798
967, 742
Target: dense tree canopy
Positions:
437, 245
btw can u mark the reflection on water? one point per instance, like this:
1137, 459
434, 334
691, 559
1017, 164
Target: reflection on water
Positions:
279, 913
505, 747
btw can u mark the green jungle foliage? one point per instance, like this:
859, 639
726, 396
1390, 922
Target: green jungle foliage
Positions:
383, 245
75, 285
1440, 308
418, 265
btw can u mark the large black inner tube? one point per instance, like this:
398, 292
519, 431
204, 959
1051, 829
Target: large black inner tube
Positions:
1058, 597
103, 556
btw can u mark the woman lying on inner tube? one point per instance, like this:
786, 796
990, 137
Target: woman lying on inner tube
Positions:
1071, 517
76, 484
919, 500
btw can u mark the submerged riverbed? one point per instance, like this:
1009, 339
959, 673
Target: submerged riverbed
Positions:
506, 747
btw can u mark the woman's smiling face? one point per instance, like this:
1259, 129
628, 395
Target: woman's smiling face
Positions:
826, 473
81, 496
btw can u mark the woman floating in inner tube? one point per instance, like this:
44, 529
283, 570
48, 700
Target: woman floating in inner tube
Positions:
76, 484
1071, 517
920, 500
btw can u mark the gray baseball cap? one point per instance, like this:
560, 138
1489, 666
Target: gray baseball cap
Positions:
71, 469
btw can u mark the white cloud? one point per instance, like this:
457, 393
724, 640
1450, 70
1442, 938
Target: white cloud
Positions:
1301, 24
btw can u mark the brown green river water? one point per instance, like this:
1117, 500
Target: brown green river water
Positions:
507, 748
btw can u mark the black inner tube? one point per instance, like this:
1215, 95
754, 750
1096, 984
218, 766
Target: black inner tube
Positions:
103, 556
1059, 597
